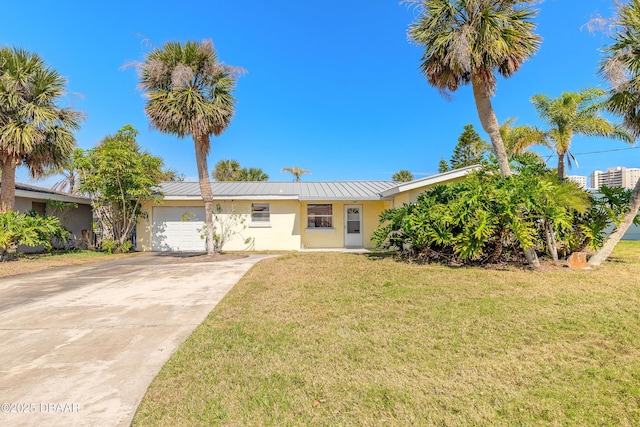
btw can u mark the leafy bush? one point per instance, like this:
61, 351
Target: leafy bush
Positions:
28, 229
485, 218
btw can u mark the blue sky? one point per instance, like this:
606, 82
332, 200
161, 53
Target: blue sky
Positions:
332, 86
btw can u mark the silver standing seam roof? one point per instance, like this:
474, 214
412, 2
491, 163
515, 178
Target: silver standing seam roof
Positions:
267, 190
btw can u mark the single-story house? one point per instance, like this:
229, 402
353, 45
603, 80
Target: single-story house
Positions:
74, 211
278, 215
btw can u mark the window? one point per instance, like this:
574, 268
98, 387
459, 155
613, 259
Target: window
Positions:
39, 207
260, 213
320, 216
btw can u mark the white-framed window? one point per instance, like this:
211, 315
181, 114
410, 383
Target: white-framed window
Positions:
260, 215
320, 216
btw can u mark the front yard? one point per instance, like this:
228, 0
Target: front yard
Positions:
30, 263
342, 339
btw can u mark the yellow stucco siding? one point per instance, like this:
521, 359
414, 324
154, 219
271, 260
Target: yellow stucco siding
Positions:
400, 200
334, 237
281, 232
285, 230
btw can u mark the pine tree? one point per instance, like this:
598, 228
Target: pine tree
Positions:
470, 149
443, 166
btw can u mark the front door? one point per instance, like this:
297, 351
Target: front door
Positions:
353, 226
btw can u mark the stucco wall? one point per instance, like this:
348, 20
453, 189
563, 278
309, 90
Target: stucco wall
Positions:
286, 229
73, 219
282, 232
334, 238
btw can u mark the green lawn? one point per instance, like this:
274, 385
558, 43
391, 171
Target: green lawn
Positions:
333, 339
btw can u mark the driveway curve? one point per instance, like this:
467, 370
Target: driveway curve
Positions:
79, 346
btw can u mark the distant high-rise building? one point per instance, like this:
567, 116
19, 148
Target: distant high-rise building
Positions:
578, 179
615, 177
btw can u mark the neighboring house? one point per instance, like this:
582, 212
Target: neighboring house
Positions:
77, 220
279, 215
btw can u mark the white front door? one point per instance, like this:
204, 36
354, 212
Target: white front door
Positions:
353, 226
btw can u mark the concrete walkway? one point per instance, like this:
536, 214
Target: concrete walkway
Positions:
79, 346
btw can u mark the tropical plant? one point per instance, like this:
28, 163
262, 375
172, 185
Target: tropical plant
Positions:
467, 41
28, 229
118, 176
229, 225
575, 113
225, 170
621, 68
519, 138
251, 174
481, 218
70, 174
189, 92
402, 176
34, 130
470, 149
296, 172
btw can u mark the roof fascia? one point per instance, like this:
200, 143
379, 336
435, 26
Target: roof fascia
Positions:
430, 180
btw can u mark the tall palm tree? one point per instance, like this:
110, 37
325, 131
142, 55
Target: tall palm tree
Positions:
575, 113
466, 41
34, 130
296, 172
189, 92
621, 67
226, 170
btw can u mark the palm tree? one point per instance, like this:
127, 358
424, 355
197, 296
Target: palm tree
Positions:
226, 170
296, 171
402, 176
251, 174
621, 67
189, 92
466, 41
575, 113
70, 180
519, 138
34, 130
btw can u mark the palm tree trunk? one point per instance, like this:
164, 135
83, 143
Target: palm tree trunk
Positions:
202, 150
562, 174
610, 243
8, 189
489, 121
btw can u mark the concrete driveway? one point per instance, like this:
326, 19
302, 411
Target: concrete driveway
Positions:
79, 346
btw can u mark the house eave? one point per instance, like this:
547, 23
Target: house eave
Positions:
430, 180
57, 197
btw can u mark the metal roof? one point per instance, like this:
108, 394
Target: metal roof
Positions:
267, 190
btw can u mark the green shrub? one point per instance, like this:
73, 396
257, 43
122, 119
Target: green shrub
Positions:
486, 218
30, 229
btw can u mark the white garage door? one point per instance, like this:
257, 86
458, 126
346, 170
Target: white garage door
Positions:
177, 229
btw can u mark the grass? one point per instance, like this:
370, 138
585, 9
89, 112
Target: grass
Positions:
30, 263
349, 340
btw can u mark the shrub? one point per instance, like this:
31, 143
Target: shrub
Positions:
30, 229
485, 218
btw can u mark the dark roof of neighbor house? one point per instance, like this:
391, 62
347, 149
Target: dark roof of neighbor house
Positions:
40, 193
267, 190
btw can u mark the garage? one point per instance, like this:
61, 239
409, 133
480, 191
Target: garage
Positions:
177, 228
